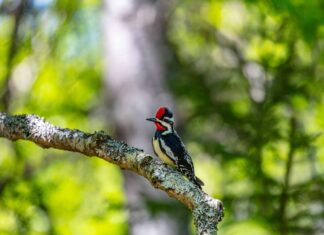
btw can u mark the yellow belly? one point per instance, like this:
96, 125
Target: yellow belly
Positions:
160, 153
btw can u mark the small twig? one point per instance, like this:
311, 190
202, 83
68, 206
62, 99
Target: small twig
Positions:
284, 193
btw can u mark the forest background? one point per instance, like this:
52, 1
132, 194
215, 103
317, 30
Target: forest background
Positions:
244, 78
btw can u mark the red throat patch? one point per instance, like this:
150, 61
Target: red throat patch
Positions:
160, 113
159, 127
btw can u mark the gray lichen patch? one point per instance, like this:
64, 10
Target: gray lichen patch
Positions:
79, 144
208, 214
100, 137
142, 162
34, 127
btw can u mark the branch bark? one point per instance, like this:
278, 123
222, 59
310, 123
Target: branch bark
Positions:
207, 211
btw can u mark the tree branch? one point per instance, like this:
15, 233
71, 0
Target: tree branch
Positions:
207, 211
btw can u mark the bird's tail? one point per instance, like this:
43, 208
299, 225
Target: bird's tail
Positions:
198, 182
194, 179
191, 176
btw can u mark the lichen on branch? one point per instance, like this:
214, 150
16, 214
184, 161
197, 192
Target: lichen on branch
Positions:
207, 211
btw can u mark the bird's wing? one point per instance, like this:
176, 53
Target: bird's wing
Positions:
177, 151
168, 150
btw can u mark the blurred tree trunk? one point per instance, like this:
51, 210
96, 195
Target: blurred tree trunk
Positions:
134, 87
17, 13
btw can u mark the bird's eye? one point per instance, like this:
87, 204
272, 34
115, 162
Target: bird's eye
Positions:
167, 120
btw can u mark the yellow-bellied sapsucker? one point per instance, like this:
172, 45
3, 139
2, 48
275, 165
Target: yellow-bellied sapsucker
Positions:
168, 146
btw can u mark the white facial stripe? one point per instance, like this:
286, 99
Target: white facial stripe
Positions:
163, 123
170, 119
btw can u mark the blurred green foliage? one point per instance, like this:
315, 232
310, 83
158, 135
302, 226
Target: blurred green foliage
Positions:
57, 74
248, 79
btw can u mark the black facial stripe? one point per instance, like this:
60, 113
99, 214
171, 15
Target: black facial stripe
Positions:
168, 120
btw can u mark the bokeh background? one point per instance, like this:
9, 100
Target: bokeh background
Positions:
244, 78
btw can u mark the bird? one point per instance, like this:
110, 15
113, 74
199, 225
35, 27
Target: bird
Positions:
168, 146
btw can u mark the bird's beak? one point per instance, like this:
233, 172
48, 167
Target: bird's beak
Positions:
151, 119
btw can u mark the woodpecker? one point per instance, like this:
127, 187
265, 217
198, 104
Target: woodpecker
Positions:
168, 146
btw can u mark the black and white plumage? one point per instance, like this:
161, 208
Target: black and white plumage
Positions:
168, 146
